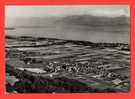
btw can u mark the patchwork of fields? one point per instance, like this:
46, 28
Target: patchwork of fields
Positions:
91, 67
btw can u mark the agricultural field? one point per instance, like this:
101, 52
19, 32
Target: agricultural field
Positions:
48, 65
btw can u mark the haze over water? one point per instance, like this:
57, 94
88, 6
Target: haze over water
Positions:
108, 26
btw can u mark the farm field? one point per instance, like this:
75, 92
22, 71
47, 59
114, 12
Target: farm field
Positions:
48, 65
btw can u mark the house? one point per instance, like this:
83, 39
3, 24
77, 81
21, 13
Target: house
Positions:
30, 60
117, 81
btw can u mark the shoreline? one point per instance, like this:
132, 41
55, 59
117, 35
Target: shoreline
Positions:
122, 46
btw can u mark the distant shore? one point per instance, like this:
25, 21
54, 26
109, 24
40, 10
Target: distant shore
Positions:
121, 46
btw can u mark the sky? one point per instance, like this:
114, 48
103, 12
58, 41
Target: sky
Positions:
39, 11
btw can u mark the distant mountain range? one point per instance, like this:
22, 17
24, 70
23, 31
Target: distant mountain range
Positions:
95, 20
88, 20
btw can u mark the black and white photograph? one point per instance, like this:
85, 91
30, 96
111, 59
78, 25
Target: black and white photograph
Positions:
67, 48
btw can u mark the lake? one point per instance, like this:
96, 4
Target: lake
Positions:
78, 30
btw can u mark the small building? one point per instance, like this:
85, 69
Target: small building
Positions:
117, 81
32, 60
